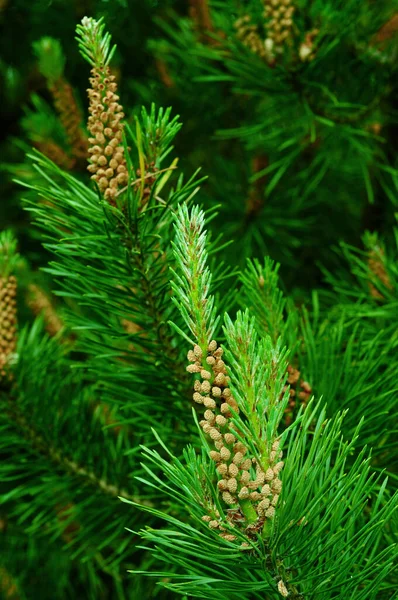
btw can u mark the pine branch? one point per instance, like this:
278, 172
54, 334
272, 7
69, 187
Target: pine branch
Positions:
225, 391
366, 286
107, 161
192, 286
57, 457
51, 58
94, 42
275, 314
51, 460
134, 258
318, 508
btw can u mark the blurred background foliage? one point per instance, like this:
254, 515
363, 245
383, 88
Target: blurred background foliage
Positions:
300, 154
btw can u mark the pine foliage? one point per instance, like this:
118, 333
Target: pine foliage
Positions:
198, 397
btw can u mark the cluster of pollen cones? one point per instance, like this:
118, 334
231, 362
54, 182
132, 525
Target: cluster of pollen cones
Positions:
108, 163
242, 479
8, 322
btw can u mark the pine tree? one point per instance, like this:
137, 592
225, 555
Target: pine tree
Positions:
182, 415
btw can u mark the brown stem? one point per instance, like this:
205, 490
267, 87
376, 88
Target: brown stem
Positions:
282, 575
387, 31
147, 176
255, 199
200, 14
164, 73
